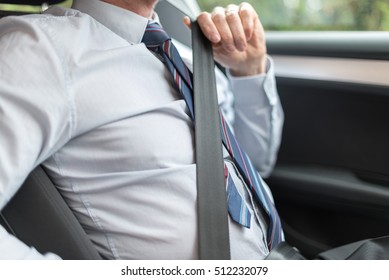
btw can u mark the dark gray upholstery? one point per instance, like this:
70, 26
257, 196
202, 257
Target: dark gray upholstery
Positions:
39, 216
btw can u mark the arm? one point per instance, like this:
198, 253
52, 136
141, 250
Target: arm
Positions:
259, 118
35, 116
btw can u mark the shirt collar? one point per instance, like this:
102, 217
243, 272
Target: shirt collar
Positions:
124, 23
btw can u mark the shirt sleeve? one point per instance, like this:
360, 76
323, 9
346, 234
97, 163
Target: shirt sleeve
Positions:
257, 116
35, 113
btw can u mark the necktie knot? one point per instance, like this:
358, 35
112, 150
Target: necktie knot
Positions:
154, 35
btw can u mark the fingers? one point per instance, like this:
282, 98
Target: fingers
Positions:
233, 23
187, 22
232, 27
248, 16
208, 27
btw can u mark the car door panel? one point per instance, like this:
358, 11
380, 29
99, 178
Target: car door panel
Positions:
331, 182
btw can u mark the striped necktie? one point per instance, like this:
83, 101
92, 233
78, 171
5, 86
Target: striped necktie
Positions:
159, 42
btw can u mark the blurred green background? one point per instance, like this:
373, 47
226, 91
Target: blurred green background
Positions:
317, 14
358, 15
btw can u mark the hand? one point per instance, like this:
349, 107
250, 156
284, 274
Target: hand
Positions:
237, 36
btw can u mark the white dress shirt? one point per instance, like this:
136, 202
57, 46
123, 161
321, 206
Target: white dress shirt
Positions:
81, 94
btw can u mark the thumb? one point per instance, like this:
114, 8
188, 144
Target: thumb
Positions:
187, 22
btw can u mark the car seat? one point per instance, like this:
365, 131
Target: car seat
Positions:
39, 216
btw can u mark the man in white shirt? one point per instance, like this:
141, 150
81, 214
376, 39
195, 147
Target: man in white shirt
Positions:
80, 94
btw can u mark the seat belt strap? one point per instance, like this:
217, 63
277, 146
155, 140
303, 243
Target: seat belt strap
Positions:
211, 191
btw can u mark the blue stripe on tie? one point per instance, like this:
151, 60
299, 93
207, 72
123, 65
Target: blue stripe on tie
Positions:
183, 87
253, 180
236, 207
177, 61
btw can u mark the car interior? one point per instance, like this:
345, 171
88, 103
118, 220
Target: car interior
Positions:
331, 180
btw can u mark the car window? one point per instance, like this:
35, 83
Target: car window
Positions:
358, 15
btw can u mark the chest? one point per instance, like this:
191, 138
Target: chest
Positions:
129, 115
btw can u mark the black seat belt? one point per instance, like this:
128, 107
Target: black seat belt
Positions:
211, 191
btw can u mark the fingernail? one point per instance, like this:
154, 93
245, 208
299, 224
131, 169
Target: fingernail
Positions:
215, 38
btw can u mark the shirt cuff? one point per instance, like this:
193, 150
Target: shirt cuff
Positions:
259, 88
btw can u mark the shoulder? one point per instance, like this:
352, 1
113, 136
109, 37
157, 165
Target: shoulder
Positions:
54, 15
36, 29
58, 33
56, 22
